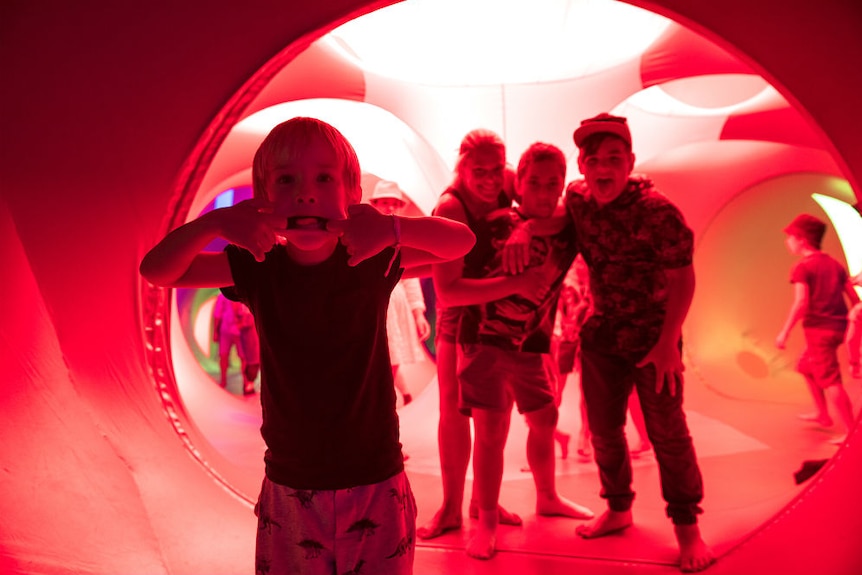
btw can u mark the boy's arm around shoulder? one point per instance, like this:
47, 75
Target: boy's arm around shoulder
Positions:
432, 239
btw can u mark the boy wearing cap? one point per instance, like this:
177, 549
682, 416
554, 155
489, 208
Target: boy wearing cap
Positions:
819, 283
638, 250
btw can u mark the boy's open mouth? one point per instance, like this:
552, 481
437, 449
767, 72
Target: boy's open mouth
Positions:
306, 223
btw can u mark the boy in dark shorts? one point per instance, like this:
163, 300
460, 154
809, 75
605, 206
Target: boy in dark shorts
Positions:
503, 340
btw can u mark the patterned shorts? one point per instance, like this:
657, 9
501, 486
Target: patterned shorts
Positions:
368, 529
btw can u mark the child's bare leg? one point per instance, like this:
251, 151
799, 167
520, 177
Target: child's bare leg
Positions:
224, 362
453, 437
694, 554
492, 429
821, 417
585, 451
839, 398
483, 543
504, 516
608, 522
563, 439
540, 455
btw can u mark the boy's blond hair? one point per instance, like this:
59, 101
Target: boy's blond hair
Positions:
290, 138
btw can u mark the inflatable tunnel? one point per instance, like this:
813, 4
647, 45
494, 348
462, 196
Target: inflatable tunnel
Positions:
121, 121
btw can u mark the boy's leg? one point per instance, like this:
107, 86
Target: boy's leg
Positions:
294, 531
605, 381
813, 369
681, 480
533, 389
376, 528
637, 416
540, 455
454, 441
492, 430
827, 373
839, 398
225, 344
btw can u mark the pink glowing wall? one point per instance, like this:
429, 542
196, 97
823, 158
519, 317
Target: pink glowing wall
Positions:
103, 105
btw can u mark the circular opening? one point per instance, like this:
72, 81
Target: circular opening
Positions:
697, 114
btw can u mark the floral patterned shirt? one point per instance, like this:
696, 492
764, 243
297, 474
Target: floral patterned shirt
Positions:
627, 245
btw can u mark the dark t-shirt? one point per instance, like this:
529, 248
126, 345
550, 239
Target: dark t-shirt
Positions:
517, 322
327, 394
628, 244
825, 279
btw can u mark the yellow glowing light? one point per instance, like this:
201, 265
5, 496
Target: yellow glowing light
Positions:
848, 225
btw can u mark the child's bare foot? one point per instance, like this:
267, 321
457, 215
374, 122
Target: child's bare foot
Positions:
605, 524
483, 543
442, 522
563, 439
694, 555
557, 506
821, 419
641, 448
503, 517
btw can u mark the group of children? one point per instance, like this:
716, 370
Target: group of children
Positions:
316, 268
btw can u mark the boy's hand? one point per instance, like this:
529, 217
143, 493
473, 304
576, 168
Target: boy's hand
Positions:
516, 252
534, 283
251, 224
365, 233
668, 366
781, 340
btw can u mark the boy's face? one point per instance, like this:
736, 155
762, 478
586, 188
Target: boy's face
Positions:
388, 206
607, 171
308, 189
794, 244
540, 188
484, 173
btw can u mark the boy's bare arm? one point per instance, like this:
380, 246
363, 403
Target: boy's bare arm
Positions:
665, 355
425, 240
797, 311
452, 289
178, 260
430, 239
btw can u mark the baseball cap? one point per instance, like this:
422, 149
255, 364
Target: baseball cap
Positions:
603, 123
808, 227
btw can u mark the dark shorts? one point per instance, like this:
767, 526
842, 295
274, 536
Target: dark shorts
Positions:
819, 360
492, 378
